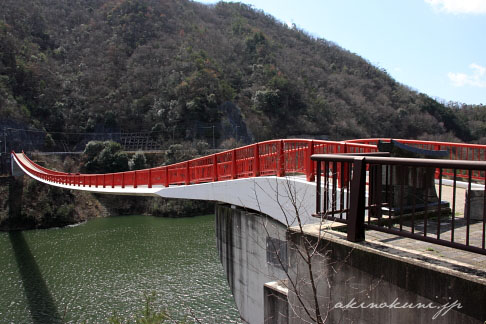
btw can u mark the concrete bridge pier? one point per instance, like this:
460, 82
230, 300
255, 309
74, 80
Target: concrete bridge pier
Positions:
374, 281
253, 250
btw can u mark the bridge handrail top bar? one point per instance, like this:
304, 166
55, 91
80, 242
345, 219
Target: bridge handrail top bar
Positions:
367, 154
272, 157
410, 141
441, 163
183, 163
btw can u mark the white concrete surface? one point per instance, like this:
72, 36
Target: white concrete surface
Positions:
282, 198
241, 239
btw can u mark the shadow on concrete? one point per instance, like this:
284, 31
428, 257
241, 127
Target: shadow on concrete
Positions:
42, 306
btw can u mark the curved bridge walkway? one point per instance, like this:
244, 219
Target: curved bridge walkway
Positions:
273, 177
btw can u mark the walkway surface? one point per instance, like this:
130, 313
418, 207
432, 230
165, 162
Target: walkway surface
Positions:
435, 250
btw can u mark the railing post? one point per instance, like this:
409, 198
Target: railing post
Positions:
340, 168
233, 164
345, 172
436, 174
113, 180
150, 178
280, 159
166, 182
310, 164
318, 188
188, 174
123, 180
215, 167
356, 219
256, 160
135, 179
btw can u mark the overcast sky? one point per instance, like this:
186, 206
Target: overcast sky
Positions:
434, 46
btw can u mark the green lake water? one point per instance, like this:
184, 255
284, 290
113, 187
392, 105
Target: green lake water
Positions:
85, 272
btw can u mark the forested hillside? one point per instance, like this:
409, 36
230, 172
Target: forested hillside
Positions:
170, 65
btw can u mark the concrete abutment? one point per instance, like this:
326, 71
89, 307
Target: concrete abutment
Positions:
356, 282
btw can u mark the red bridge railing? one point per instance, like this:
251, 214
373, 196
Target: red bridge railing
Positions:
457, 151
276, 157
399, 196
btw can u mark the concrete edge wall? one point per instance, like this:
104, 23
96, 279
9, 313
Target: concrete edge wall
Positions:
394, 274
242, 239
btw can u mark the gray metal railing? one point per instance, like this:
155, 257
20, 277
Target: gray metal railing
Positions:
420, 199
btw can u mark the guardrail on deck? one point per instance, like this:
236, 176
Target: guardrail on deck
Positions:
457, 151
276, 157
401, 196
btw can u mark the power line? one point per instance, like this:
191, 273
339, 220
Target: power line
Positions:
105, 133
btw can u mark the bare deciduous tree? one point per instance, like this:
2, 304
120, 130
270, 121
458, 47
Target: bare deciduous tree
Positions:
312, 265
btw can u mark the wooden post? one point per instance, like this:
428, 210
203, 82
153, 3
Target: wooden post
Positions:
356, 220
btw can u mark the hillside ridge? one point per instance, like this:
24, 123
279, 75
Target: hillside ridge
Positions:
172, 67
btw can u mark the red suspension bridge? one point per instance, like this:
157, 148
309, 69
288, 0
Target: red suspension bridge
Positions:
276, 157
255, 176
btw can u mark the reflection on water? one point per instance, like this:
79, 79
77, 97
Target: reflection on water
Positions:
88, 271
